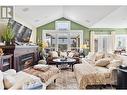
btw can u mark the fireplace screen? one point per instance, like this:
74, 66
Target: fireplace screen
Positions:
26, 61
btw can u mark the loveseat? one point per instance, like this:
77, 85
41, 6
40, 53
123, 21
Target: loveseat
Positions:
13, 81
30, 78
97, 69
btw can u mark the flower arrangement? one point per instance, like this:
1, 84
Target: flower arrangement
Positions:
1, 52
42, 44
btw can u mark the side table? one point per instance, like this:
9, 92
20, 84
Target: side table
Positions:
5, 62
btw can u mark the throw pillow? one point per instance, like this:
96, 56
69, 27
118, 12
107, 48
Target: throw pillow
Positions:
76, 54
114, 64
54, 54
9, 81
71, 54
99, 55
102, 62
41, 67
1, 81
63, 54
42, 62
91, 56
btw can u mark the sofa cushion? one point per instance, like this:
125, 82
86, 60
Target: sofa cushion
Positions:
54, 54
118, 57
102, 62
99, 55
9, 81
104, 70
1, 81
32, 84
114, 64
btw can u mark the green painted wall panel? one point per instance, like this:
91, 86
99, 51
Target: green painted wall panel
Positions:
74, 26
109, 30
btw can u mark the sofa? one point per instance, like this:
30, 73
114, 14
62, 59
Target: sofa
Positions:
56, 54
97, 69
13, 81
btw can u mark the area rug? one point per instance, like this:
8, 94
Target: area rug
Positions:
67, 81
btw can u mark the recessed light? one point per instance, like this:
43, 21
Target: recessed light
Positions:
25, 9
123, 18
87, 21
37, 20
46, 17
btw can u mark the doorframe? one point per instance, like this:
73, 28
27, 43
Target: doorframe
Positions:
80, 32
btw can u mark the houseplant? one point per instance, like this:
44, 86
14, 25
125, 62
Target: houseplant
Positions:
8, 35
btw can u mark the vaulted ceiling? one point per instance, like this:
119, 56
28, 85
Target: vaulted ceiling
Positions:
89, 16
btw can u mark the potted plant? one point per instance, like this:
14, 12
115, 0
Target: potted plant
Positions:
8, 35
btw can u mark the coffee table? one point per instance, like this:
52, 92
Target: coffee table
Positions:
69, 61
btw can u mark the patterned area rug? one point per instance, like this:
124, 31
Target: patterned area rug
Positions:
67, 81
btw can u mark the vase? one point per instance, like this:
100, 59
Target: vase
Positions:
7, 43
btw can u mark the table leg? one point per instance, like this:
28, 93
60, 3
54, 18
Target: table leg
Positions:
55, 81
72, 67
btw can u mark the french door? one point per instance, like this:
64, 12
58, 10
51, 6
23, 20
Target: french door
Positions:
103, 43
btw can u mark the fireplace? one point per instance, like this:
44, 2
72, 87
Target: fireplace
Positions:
25, 61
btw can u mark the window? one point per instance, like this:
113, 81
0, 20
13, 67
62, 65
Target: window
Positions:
62, 25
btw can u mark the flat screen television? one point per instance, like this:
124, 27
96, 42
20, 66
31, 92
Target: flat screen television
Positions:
22, 33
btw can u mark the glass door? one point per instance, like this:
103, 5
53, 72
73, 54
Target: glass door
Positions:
63, 42
121, 43
103, 43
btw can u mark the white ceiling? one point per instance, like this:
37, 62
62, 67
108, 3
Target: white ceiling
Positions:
117, 18
90, 16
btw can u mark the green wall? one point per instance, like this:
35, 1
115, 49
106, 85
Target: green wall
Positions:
109, 30
74, 26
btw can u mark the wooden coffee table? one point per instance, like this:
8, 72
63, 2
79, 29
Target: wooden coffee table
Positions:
69, 61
